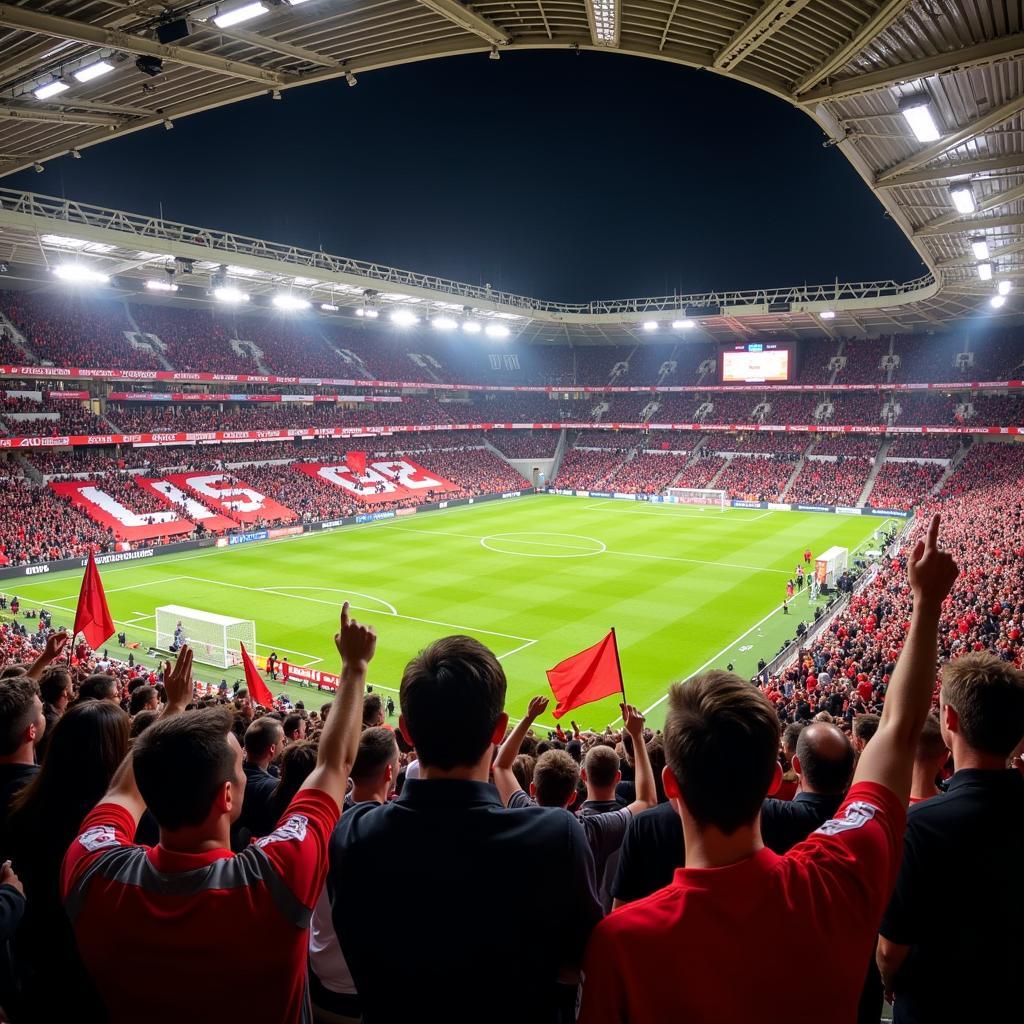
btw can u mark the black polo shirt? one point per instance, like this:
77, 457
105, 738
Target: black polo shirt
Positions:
433, 900
959, 901
653, 847
255, 819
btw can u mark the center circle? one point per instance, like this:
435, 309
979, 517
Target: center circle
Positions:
527, 545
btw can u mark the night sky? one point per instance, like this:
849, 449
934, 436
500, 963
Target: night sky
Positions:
556, 175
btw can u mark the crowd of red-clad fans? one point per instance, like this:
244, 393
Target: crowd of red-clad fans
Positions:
756, 478
904, 484
147, 818
837, 481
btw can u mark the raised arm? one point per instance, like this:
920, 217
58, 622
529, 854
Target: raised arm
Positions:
178, 687
889, 758
509, 750
646, 791
339, 741
55, 645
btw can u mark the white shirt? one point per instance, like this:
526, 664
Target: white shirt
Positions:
325, 955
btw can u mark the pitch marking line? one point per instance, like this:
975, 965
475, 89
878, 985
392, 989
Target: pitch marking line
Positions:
609, 551
585, 552
735, 520
524, 641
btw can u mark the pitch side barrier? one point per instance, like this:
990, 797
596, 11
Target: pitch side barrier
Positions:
770, 506
11, 572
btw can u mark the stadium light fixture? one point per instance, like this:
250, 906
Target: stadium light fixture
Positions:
91, 71
444, 323
828, 314
44, 92
963, 197
228, 294
368, 312
75, 273
245, 13
1005, 287
985, 271
351, 79
917, 110
290, 303
499, 331
604, 14
155, 285
328, 307
979, 246
650, 325
997, 301
682, 325
404, 318
471, 327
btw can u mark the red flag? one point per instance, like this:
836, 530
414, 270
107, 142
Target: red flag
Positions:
92, 617
258, 692
587, 676
356, 461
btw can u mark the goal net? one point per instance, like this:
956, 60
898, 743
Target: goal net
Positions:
697, 496
214, 639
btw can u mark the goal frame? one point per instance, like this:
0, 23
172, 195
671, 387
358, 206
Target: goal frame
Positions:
709, 497
214, 639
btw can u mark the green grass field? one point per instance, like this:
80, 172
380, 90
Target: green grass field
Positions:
537, 579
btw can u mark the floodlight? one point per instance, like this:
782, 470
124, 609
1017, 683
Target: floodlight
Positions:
1005, 287
979, 246
497, 331
682, 325
228, 294
351, 79
368, 312
44, 92
471, 326
328, 307
245, 13
918, 112
650, 325
494, 55
403, 318
290, 303
963, 197
75, 273
997, 301
828, 314
161, 286
91, 71
985, 271
444, 323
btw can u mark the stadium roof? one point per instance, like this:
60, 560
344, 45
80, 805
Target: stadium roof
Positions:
82, 73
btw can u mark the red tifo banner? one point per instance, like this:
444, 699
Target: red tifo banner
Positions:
383, 479
232, 498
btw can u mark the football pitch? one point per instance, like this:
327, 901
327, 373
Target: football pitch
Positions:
536, 579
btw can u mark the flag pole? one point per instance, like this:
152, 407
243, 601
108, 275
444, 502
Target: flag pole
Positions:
618, 664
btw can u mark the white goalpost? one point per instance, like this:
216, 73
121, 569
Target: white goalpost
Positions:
697, 496
214, 639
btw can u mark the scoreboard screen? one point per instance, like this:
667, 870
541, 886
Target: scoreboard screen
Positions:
756, 363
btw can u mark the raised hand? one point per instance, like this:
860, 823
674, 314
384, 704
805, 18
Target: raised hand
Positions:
8, 877
932, 571
178, 680
55, 645
356, 644
632, 721
538, 705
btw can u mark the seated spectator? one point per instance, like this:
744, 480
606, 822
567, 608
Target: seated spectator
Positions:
973, 839
469, 850
189, 772
722, 743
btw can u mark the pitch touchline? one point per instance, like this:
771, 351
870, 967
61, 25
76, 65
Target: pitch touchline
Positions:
598, 507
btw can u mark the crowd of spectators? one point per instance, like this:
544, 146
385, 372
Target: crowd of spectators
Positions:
928, 446
830, 482
525, 444
864, 446
648, 473
904, 484
757, 478
769, 442
586, 469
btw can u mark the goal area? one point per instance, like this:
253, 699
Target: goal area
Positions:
697, 496
214, 639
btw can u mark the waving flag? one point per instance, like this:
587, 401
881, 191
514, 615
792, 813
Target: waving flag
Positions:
356, 461
258, 692
587, 676
92, 616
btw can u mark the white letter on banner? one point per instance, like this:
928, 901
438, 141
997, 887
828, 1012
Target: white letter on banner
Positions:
342, 476
196, 509
250, 500
123, 515
408, 474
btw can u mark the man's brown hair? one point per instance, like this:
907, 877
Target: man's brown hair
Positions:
17, 710
930, 744
865, 726
555, 776
722, 744
988, 697
602, 765
377, 749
